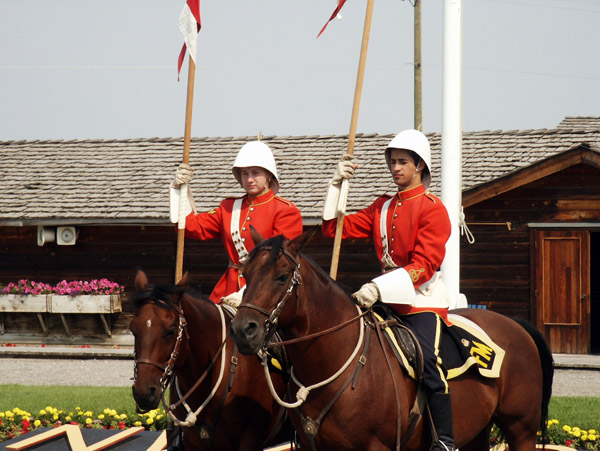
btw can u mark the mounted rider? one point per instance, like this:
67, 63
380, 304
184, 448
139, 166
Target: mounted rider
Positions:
255, 170
409, 231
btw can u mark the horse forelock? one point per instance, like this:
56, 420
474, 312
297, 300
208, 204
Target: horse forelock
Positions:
273, 245
159, 295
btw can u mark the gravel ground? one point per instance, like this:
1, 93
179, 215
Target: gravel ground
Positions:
119, 373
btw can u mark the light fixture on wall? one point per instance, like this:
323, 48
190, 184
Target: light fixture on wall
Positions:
66, 236
45, 235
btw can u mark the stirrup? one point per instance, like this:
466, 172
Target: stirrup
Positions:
441, 446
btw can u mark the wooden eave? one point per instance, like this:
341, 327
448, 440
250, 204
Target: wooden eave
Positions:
582, 153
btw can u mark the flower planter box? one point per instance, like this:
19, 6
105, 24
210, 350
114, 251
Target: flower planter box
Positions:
23, 303
99, 303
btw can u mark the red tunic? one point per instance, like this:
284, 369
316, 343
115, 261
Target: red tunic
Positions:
418, 227
269, 214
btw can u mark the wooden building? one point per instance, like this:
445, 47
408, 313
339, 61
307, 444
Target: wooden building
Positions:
531, 199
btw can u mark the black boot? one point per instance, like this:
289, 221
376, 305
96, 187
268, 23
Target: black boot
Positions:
441, 414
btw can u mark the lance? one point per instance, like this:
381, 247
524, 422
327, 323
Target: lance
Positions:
337, 242
183, 193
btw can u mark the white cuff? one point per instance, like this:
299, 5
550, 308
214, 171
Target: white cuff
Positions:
396, 287
330, 210
174, 204
335, 199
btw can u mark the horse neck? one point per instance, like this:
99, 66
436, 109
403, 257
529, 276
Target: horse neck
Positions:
322, 304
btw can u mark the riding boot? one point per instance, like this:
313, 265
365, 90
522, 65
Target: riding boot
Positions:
441, 415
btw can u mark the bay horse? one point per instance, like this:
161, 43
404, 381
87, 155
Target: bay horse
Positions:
323, 329
182, 337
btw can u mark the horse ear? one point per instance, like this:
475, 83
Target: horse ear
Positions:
256, 236
141, 280
185, 280
298, 243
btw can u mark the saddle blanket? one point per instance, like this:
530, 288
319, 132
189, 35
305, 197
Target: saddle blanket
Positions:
463, 345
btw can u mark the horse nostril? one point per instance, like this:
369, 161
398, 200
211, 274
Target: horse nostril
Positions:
251, 329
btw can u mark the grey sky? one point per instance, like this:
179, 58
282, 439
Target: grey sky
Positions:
82, 69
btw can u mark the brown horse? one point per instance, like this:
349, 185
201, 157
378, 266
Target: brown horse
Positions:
182, 337
288, 292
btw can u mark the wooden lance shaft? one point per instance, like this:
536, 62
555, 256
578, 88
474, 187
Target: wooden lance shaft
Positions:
337, 242
183, 194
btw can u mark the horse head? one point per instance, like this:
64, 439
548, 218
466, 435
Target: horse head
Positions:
157, 326
272, 274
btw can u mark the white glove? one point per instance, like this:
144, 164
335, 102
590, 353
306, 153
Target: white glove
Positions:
183, 175
344, 170
367, 295
234, 299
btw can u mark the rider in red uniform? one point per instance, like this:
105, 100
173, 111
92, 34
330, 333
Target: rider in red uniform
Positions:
255, 170
409, 231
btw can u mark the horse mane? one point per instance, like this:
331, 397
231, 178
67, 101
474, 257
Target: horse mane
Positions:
275, 247
161, 295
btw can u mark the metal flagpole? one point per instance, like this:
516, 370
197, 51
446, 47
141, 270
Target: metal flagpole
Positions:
183, 193
337, 242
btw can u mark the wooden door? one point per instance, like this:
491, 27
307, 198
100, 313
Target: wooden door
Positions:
561, 272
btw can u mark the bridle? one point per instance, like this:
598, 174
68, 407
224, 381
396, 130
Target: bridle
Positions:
273, 316
271, 326
168, 372
167, 368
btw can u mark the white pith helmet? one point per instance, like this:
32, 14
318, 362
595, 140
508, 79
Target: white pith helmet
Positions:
417, 142
256, 153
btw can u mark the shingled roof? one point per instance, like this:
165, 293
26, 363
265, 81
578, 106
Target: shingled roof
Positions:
126, 181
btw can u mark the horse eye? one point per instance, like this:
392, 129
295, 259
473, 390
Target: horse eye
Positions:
282, 278
170, 334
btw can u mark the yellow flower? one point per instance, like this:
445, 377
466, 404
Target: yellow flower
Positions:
149, 421
584, 437
592, 431
42, 412
88, 421
36, 423
107, 411
592, 437
113, 412
575, 433
567, 428
555, 421
1, 414
137, 423
101, 417
55, 416
123, 416
68, 418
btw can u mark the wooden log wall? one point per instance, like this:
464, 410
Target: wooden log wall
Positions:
114, 252
496, 269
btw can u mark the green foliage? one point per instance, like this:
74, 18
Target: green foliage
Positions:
581, 411
573, 420
34, 397
25, 408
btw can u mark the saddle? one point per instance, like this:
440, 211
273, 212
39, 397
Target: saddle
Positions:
463, 345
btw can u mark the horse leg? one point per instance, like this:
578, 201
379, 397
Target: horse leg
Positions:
481, 442
520, 436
